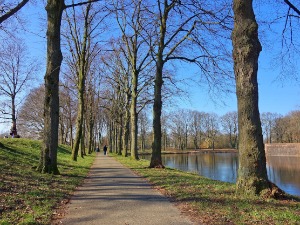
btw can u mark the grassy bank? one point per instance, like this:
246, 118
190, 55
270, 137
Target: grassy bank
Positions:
215, 202
28, 197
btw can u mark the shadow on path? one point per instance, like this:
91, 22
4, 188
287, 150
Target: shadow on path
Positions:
114, 195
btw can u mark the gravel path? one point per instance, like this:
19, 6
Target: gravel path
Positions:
114, 195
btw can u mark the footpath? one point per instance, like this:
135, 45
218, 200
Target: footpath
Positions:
113, 195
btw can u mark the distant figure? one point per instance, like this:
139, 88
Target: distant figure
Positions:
105, 149
97, 149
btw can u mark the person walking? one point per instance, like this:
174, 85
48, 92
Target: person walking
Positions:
105, 149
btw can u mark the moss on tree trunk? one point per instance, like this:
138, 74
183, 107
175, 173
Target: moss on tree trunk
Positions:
48, 159
252, 173
79, 123
134, 115
156, 161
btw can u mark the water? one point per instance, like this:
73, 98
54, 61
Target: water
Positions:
282, 170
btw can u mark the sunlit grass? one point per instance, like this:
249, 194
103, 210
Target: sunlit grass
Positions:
28, 197
215, 202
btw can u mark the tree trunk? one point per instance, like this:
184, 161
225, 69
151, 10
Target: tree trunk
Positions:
164, 136
48, 160
252, 173
69, 119
156, 161
200, 140
13, 129
126, 133
120, 133
134, 116
71, 134
196, 141
113, 137
165, 140
91, 134
79, 123
62, 130
82, 140
186, 137
82, 70
116, 131
91, 122
270, 137
110, 136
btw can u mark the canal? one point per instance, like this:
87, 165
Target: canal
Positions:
282, 170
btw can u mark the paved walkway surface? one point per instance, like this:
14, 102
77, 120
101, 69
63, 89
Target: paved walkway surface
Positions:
114, 195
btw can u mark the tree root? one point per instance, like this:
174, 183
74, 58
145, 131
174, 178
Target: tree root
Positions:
156, 164
275, 192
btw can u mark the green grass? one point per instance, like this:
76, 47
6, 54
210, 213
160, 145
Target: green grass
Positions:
215, 202
28, 197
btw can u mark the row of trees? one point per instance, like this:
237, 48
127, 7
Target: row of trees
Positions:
181, 129
150, 36
193, 129
281, 129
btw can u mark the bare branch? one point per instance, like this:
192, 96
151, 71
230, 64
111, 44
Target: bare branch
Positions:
13, 11
81, 3
292, 6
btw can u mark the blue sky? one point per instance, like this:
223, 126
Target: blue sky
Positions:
279, 89
274, 96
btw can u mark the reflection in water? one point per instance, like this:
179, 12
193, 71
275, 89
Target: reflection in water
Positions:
218, 166
282, 170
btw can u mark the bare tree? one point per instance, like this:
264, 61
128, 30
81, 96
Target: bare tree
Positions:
229, 122
144, 129
211, 128
177, 126
68, 111
118, 95
184, 41
48, 159
293, 130
280, 129
165, 120
130, 18
196, 127
268, 120
285, 129
31, 120
92, 107
81, 31
79, 43
17, 71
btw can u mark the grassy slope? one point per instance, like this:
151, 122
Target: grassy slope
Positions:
215, 202
28, 197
